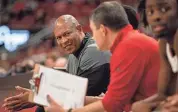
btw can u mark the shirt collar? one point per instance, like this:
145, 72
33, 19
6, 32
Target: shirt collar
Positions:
120, 36
82, 45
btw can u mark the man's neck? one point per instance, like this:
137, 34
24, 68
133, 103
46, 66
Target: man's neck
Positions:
82, 37
171, 42
112, 37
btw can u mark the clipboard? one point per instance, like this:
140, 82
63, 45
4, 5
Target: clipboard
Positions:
35, 71
67, 89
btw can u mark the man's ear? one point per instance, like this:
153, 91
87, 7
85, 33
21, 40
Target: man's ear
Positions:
103, 30
79, 28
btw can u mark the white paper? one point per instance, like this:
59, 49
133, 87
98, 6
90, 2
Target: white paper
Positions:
66, 89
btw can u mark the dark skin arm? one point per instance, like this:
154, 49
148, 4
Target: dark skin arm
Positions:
164, 80
164, 75
19, 101
172, 102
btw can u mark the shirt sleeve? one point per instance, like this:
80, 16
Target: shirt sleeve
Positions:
126, 73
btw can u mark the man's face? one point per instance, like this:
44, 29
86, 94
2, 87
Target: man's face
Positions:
162, 16
67, 37
98, 37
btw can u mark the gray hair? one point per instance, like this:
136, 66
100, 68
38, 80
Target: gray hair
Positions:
110, 14
67, 19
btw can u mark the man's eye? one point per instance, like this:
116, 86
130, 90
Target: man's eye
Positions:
67, 34
164, 9
58, 38
149, 12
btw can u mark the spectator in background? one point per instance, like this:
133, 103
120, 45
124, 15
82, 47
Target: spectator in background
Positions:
3, 72
21, 68
31, 5
61, 62
132, 16
50, 60
40, 17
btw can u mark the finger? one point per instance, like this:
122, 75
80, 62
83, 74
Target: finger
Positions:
9, 103
173, 109
21, 89
16, 97
155, 104
14, 107
20, 107
51, 101
172, 98
165, 110
171, 103
13, 103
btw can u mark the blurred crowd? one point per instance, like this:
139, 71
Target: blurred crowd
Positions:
34, 14
44, 53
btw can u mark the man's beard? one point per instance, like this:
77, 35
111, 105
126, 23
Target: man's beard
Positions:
164, 34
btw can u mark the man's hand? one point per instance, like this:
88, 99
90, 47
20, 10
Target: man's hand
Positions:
141, 107
17, 102
171, 104
54, 107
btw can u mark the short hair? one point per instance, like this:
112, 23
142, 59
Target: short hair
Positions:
110, 14
68, 19
132, 16
141, 10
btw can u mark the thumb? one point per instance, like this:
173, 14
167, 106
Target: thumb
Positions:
51, 101
21, 89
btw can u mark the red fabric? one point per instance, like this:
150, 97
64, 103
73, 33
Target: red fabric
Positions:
134, 68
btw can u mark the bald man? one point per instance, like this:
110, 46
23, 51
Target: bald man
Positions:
85, 60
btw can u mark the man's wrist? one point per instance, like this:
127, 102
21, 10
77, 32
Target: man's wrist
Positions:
70, 110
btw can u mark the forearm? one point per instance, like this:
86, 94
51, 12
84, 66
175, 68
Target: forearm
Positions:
155, 98
148, 104
93, 107
91, 99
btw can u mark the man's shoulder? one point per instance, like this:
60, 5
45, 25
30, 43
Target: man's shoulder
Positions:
140, 41
92, 52
138, 36
92, 58
91, 48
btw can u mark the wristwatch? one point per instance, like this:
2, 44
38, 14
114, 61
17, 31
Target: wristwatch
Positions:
70, 110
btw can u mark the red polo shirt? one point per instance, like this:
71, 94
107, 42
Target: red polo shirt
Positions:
134, 66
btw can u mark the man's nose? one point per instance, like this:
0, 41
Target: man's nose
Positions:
157, 16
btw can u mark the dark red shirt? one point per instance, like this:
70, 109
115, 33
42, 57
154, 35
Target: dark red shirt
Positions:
134, 66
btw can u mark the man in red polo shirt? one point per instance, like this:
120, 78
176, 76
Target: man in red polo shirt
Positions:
134, 63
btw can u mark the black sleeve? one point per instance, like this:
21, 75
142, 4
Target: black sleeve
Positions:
40, 109
98, 79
